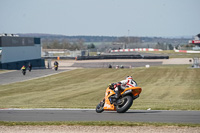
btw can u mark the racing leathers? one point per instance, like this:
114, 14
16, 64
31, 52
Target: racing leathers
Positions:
128, 82
23, 68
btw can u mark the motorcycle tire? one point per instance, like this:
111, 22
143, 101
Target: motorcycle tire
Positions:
127, 102
99, 108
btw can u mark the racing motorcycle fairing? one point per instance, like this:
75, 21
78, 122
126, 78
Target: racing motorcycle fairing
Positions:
108, 105
133, 91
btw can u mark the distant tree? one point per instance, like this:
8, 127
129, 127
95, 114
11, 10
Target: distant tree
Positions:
164, 46
91, 46
188, 45
159, 45
55, 45
80, 43
45, 45
63, 44
198, 35
129, 40
170, 47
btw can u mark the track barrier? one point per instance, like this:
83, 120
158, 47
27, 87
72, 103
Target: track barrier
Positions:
120, 57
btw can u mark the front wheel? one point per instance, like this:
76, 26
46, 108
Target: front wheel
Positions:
125, 103
99, 107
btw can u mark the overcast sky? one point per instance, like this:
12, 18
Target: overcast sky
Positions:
164, 18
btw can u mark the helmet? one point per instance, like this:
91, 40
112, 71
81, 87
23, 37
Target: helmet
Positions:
129, 77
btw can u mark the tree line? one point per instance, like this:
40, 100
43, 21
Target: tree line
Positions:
63, 44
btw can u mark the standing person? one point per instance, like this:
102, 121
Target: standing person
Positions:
23, 70
30, 66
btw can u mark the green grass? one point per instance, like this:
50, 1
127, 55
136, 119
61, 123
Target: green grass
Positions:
163, 87
97, 123
173, 54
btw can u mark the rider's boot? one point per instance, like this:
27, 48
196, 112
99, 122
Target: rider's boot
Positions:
116, 94
114, 98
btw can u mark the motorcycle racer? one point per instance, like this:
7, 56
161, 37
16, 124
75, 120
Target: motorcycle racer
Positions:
56, 65
128, 82
23, 70
119, 96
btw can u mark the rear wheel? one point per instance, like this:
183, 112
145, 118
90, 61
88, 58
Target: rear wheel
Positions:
24, 73
125, 103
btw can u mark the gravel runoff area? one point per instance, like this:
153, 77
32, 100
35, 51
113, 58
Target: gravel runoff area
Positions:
97, 129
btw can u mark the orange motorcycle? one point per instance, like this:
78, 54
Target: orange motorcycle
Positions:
122, 104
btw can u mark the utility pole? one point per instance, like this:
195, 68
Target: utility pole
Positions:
128, 38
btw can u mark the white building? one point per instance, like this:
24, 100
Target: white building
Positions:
18, 51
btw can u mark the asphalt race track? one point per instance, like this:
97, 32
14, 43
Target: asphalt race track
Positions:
106, 64
31, 115
17, 76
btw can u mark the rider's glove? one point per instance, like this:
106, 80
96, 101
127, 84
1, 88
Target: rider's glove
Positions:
111, 86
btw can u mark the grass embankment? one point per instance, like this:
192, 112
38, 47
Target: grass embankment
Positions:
96, 123
173, 54
165, 87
